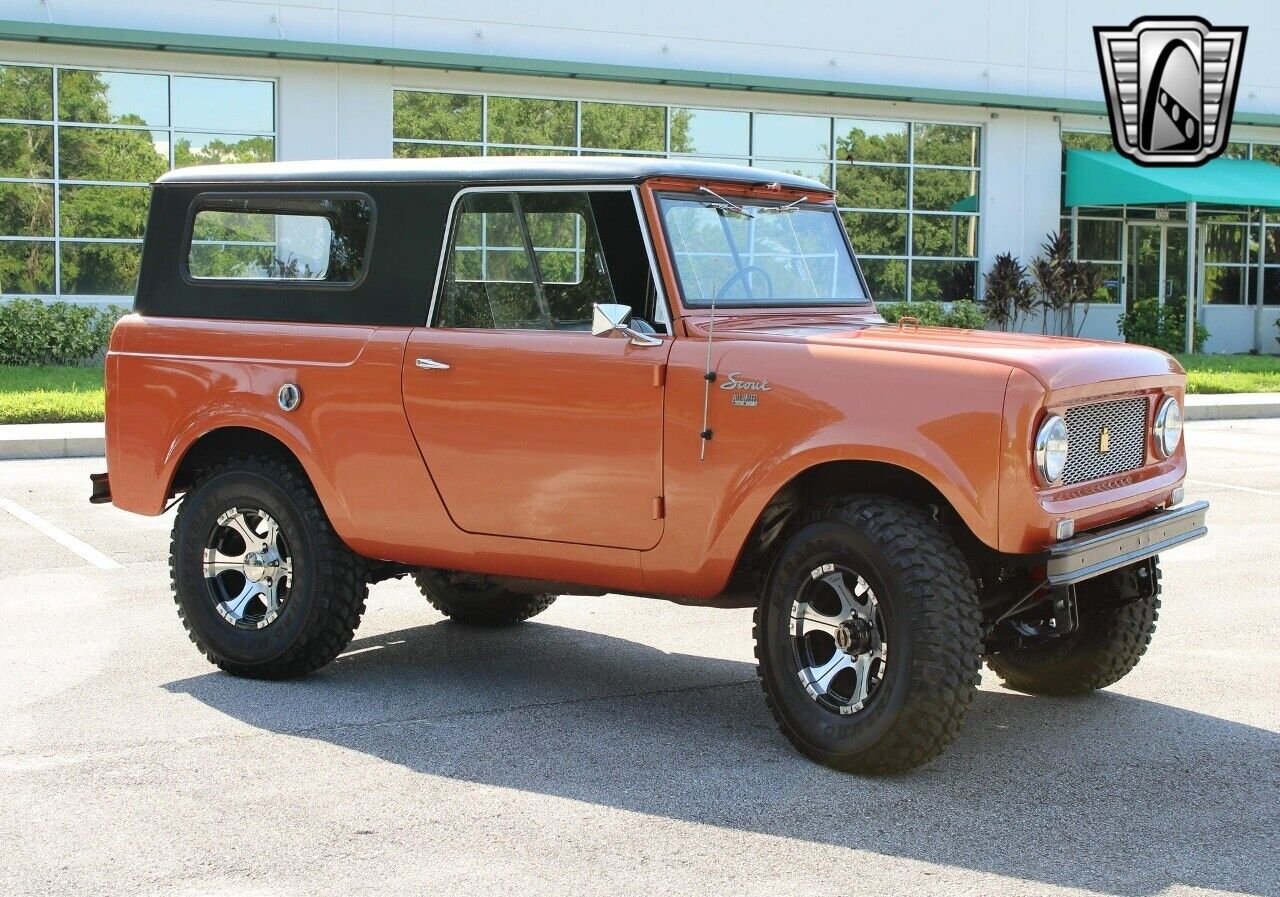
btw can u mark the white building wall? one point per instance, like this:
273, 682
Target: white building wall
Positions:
1001, 47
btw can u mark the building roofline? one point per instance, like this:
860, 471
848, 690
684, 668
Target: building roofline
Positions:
227, 45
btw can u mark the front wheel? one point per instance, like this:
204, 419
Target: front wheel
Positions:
868, 636
1112, 635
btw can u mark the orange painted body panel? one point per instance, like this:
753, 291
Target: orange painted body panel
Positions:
1028, 510
824, 403
552, 435
172, 380
543, 454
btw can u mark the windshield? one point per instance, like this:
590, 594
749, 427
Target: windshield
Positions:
751, 253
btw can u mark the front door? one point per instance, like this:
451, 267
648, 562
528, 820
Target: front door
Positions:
530, 426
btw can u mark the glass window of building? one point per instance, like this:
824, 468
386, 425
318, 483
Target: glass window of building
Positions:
909, 192
78, 149
1131, 244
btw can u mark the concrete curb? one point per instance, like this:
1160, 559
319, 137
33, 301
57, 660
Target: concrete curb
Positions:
87, 440
1241, 406
52, 441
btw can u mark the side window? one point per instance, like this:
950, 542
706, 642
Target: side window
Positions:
280, 238
524, 260
571, 261
490, 279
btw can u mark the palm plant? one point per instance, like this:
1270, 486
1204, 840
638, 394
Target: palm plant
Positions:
1063, 284
1008, 295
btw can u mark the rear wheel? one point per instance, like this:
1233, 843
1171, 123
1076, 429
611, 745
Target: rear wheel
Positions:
868, 636
476, 601
1105, 646
264, 586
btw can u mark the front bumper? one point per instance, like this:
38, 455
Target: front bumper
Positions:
1093, 554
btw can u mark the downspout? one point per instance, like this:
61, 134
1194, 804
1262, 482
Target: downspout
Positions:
1192, 290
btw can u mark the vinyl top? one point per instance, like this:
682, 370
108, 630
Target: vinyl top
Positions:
486, 169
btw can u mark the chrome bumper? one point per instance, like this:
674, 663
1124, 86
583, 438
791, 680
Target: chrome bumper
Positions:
1092, 554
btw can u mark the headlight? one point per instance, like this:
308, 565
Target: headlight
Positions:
1051, 449
1168, 427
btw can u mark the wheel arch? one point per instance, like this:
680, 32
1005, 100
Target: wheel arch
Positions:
202, 449
212, 446
780, 516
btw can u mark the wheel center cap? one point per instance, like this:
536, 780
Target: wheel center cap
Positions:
255, 566
854, 636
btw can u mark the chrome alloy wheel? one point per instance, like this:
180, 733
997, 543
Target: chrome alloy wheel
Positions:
248, 568
838, 639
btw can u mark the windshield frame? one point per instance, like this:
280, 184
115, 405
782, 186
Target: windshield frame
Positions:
744, 196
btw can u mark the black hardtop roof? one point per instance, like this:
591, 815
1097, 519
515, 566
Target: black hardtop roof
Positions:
486, 169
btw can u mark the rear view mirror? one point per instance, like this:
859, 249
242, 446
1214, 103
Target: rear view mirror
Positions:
609, 319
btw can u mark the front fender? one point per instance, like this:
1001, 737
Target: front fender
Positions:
940, 418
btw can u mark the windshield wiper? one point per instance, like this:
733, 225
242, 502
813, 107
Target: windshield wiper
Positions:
723, 205
789, 207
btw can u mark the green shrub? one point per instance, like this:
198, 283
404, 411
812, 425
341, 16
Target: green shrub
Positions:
964, 313
33, 332
967, 315
1162, 326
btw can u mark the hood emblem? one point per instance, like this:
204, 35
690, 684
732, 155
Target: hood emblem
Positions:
1104, 441
732, 382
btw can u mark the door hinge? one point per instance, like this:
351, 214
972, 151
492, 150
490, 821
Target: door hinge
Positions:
659, 508
659, 375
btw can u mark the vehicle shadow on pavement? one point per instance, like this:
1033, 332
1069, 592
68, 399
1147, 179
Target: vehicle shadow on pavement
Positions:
1110, 793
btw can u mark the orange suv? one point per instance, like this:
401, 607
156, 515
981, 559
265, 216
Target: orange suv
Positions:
517, 378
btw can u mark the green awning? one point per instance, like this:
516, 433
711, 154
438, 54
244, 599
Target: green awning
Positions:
1108, 179
968, 204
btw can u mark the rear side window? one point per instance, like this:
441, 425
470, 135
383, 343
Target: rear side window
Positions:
280, 238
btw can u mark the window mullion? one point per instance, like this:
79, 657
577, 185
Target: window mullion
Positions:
57, 193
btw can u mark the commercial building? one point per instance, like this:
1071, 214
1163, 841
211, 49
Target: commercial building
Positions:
942, 126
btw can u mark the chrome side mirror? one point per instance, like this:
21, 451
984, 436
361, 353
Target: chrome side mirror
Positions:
609, 319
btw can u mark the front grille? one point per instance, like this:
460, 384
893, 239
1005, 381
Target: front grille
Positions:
1126, 424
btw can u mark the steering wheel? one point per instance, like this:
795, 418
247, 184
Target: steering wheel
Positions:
741, 274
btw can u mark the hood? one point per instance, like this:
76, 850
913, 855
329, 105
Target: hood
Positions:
1056, 362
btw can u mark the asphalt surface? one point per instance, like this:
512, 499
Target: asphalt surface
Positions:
611, 746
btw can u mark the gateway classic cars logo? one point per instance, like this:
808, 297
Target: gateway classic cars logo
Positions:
1171, 85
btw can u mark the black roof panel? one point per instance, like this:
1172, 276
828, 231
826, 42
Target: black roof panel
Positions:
495, 169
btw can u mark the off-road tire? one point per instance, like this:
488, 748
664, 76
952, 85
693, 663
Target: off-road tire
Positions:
329, 588
933, 633
482, 606
1104, 648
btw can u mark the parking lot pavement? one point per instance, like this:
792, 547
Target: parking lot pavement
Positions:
611, 746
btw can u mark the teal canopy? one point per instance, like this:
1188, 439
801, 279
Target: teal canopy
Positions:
968, 204
1108, 179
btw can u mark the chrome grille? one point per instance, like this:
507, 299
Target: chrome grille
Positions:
1126, 425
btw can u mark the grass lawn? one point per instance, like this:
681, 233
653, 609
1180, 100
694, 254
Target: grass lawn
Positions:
1232, 373
49, 395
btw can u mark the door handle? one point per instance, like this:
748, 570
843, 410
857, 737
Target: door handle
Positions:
430, 364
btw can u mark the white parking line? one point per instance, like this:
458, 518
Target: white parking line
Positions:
1236, 488
62, 537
